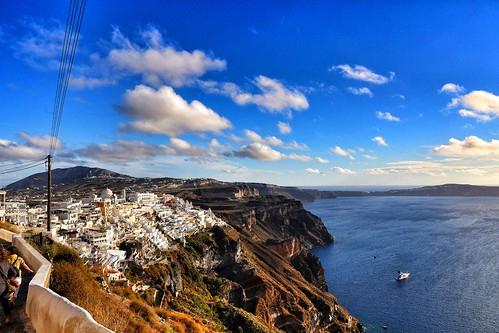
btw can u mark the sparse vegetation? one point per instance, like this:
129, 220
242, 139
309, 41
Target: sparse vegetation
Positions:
71, 279
198, 308
10, 227
124, 311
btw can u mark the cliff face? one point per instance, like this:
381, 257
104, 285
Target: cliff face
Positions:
266, 263
261, 217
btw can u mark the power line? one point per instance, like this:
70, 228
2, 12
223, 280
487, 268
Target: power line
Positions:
62, 71
21, 169
70, 43
62, 62
18, 163
14, 166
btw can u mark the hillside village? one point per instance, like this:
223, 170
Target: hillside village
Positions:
95, 226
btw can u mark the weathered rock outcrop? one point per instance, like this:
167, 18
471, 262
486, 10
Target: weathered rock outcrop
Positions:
310, 268
266, 262
261, 217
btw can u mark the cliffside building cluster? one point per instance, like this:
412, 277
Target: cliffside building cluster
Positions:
95, 226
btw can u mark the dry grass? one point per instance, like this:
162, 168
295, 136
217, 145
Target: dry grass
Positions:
10, 227
75, 282
183, 323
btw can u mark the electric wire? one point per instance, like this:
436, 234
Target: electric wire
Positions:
21, 169
71, 61
62, 70
70, 44
19, 164
22, 165
62, 62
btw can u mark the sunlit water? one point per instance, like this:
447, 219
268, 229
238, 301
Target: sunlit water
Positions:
449, 244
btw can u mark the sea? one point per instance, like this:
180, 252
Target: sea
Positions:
450, 245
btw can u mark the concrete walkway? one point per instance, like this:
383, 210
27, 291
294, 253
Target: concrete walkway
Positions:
20, 323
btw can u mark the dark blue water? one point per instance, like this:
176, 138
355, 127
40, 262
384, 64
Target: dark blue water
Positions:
450, 245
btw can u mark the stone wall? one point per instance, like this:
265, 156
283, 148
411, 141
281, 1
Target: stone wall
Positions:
48, 311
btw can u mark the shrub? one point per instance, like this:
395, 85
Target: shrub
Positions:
57, 252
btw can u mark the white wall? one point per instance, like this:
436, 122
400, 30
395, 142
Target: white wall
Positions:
48, 311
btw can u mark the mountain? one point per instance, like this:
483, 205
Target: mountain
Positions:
62, 176
462, 190
80, 179
77, 179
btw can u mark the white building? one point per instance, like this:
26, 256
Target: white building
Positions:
98, 237
115, 259
146, 199
16, 212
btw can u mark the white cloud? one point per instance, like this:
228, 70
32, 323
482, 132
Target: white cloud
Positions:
321, 160
253, 136
259, 151
269, 140
41, 45
84, 82
380, 141
386, 116
369, 157
342, 171
284, 128
475, 115
181, 147
215, 145
410, 167
470, 147
362, 73
478, 104
162, 111
10, 150
360, 91
294, 145
148, 56
157, 62
40, 141
274, 96
120, 151
439, 169
473, 171
35, 147
313, 171
341, 152
298, 157
452, 88
274, 141
235, 138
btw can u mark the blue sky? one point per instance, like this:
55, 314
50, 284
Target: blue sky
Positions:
294, 93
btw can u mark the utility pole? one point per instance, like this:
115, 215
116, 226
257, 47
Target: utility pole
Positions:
49, 191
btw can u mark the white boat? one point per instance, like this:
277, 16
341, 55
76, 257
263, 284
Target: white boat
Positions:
403, 276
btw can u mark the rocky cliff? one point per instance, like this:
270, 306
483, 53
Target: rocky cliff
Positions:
265, 262
255, 275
